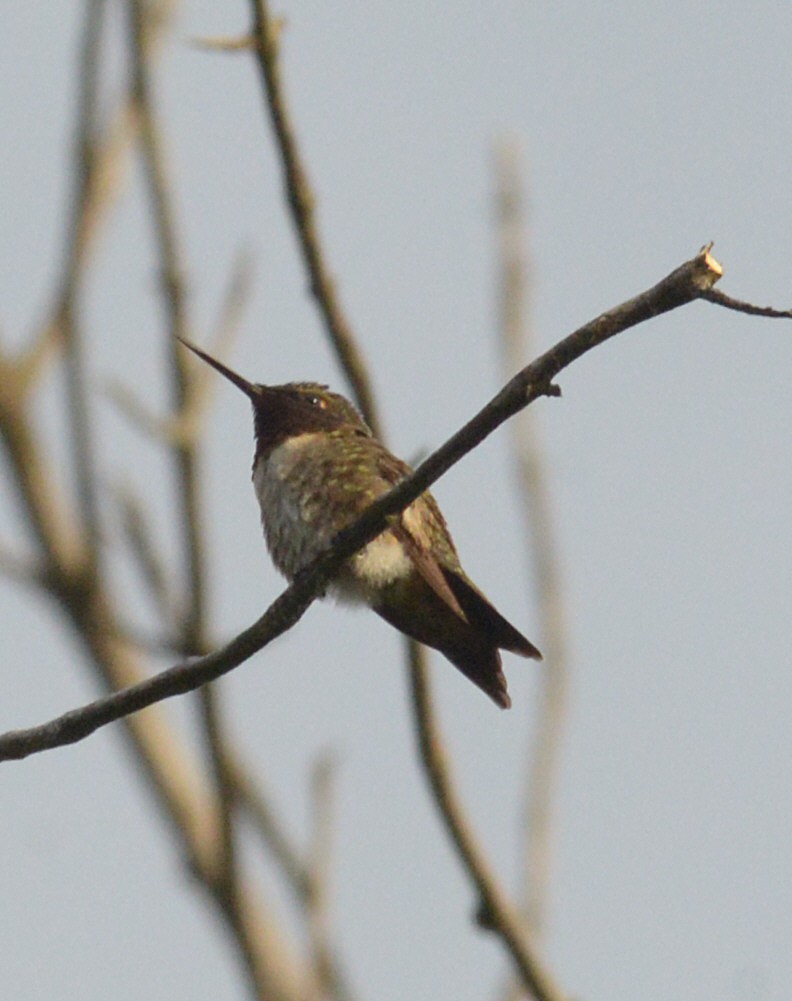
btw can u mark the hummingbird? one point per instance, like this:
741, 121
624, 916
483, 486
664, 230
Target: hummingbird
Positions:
317, 467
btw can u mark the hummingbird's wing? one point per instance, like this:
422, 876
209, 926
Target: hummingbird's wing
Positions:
422, 530
447, 579
428, 567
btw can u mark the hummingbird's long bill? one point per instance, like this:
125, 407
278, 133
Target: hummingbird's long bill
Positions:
248, 388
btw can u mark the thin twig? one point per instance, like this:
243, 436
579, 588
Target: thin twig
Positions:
225, 768
78, 416
500, 916
540, 788
178, 787
685, 284
270, 829
173, 294
34, 359
98, 174
232, 306
224, 329
184, 427
721, 299
320, 852
43, 511
225, 43
266, 31
108, 163
185, 455
146, 553
301, 877
329, 976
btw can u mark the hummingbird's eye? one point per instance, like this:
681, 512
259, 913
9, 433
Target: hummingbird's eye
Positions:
317, 401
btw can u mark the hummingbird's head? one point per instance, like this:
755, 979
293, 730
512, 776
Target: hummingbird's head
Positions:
296, 408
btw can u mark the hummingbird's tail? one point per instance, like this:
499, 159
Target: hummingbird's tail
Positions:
469, 640
481, 662
482, 614
469, 649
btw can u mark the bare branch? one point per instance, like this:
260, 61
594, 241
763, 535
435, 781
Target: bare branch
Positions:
97, 158
328, 975
227, 883
331, 977
177, 786
173, 429
685, 284
32, 362
721, 299
107, 175
181, 790
201, 380
322, 795
271, 831
138, 535
68, 561
500, 917
79, 422
185, 456
51, 528
540, 788
173, 290
266, 32
234, 301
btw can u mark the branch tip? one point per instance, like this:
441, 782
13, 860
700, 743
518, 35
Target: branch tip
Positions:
707, 270
711, 262
728, 302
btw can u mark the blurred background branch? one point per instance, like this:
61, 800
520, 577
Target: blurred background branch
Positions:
543, 559
69, 556
542, 548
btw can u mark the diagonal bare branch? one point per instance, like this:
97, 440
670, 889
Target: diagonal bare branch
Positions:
272, 832
139, 537
683, 285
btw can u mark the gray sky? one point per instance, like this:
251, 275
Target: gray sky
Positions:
646, 131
